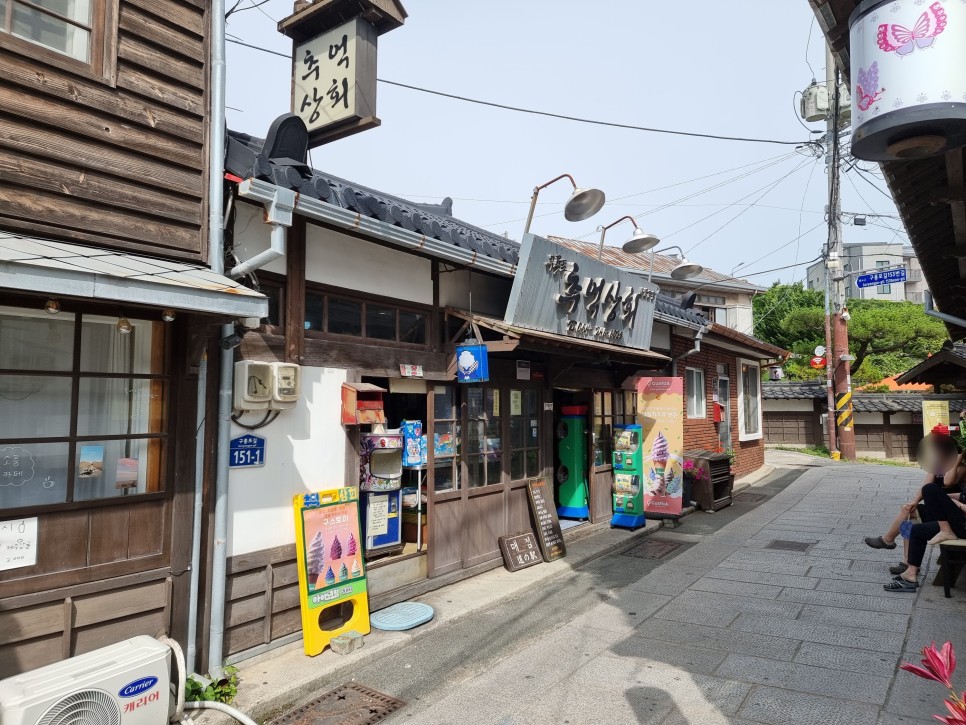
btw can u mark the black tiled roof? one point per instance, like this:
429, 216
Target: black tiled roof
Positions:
861, 402
669, 307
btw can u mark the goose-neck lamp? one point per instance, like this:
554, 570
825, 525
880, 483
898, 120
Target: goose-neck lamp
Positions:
582, 204
683, 270
640, 240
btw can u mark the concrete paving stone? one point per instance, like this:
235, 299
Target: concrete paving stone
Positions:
773, 705
666, 581
622, 613
885, 602
857, 686
847, 659
858, 638
846, 586
713, 601
460, 709
725, 586
767, 578
770, 567
697, 614
727, 640
797, 528
882, 575
888, 718
569, 702
662, 653
687, 690
888, 621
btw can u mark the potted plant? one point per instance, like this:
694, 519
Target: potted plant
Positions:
692, 472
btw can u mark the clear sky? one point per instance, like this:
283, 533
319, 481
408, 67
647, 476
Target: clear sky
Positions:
707, 67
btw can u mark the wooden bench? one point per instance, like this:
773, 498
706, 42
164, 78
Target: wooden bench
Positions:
953, 555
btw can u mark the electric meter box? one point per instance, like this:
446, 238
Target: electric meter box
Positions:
254, 385
287, 388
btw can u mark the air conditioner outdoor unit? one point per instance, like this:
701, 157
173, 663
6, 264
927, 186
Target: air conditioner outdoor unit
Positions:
128, 683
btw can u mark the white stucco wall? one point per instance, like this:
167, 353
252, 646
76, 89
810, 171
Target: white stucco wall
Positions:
305, 450
867, 418
901, 419
787, 406
342, 261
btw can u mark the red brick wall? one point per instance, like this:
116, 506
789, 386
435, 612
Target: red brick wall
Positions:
703, 433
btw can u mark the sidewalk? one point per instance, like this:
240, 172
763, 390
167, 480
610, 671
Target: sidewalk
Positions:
733, 632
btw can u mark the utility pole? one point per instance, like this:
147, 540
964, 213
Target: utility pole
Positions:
838, 370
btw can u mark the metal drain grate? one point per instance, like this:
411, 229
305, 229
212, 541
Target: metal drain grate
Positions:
749, 497
348, 704
652, 549
782, 545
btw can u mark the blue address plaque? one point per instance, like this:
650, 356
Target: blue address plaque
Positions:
246, 451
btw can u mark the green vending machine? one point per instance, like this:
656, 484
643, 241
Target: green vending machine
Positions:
572, 473
628, 477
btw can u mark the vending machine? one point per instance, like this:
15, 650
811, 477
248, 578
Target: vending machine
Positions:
572, 473
380, 480
628, 459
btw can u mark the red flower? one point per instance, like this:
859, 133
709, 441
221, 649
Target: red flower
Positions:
957, 711
938, 665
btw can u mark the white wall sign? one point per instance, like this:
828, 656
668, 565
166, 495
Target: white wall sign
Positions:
555, 289
377, 514
18, 543
334, 76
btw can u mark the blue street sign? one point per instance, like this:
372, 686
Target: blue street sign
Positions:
246, 451
888, 276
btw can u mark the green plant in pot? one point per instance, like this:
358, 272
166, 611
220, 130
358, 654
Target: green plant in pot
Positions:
692, 472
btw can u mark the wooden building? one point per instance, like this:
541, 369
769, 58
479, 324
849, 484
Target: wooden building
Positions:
106, 311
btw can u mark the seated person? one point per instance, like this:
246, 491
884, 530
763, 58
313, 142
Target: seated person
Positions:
945, 506
950, 470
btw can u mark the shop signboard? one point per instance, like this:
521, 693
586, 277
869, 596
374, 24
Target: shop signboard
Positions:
934, 412
332, 574
472, 363
660, 405
544, 513
520, 551
558, 290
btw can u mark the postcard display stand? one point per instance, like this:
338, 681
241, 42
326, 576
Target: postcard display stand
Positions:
628, 474
332, 574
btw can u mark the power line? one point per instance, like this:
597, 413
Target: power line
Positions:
561, 116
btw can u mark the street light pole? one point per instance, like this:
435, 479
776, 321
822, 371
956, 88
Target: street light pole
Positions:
838, 372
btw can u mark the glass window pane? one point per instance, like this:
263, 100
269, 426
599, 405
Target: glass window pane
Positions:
105, 350
494, 442
412, 327
33, 474
608, 398
533, 464
444, 441
274, 295
532, 402
474, 402
534, 439
119, 406
34, 406
77, 10
493, 407
117, 468
37, 27
35, 340
518, 432
444, 479
475, 472
474, 437
345, 317
602, 444
314, 313
494, 470
443, 399
380, 322
518, 468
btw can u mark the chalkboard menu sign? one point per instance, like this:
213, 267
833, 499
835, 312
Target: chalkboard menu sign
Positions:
545, 518
520, 551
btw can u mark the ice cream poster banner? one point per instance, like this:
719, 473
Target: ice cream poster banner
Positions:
333, 565
660, 405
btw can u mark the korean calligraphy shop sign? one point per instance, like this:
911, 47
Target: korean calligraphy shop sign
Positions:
558, 290
334, 81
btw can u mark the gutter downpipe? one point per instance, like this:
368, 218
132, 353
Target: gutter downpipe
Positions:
192, 652
697, 348
216, 254
933, 312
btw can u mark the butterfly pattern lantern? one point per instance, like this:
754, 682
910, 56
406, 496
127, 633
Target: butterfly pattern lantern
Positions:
908, 72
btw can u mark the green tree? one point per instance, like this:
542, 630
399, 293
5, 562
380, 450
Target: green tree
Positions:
885, 337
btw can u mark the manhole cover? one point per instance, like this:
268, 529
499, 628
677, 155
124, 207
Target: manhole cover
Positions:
349, 704
749, 497
782, 545
652, 549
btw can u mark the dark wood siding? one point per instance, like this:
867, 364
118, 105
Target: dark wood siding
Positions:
121, 167
790, 428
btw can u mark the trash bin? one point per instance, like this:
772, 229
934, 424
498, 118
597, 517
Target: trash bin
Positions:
713, 491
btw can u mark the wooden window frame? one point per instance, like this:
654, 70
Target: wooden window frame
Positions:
102, 65
326, 293
158, 460
701, 389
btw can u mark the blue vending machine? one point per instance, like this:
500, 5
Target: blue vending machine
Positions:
381, 484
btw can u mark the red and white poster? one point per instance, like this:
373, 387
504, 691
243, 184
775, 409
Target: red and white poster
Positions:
660, 411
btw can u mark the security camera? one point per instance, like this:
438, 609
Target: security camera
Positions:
230, 342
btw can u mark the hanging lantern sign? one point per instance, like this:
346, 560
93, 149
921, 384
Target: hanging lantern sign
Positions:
908, 68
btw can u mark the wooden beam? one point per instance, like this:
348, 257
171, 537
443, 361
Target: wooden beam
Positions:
954, 174
295, 292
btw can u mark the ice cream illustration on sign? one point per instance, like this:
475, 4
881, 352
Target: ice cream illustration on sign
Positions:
660, 452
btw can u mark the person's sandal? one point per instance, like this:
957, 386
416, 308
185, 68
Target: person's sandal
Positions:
898, 568
901, 585
876, 542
